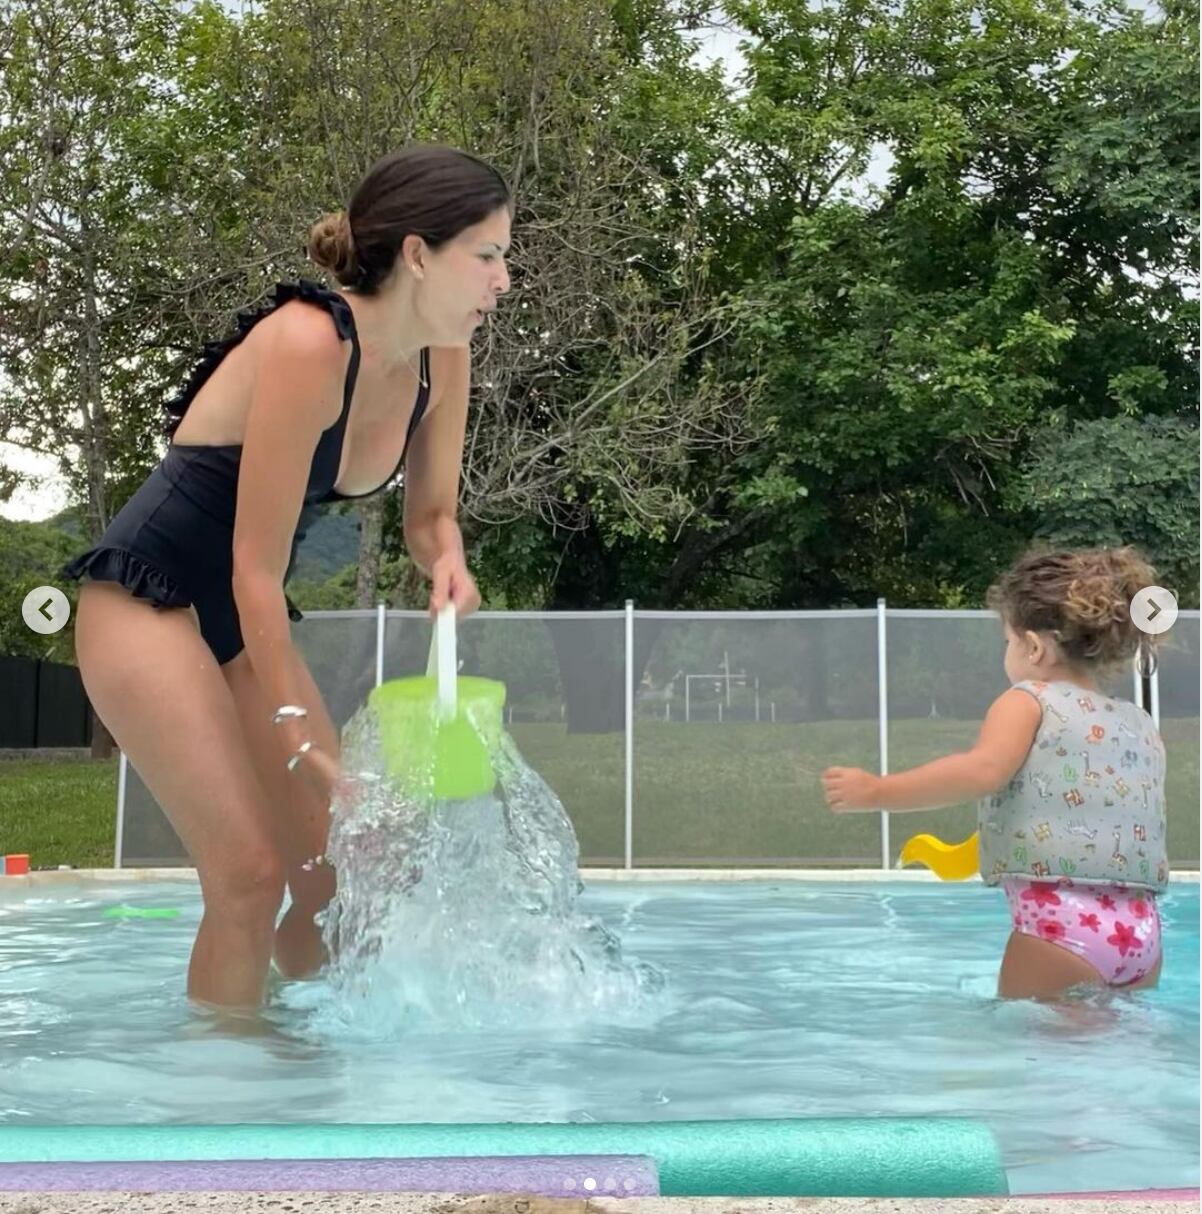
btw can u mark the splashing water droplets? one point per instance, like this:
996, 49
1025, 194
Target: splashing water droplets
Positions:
463, 913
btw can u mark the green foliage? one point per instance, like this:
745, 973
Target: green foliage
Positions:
914, 340
1120, 480
335, 593
791, 342
31, 555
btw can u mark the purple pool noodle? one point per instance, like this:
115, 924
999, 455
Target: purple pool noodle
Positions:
544, 1175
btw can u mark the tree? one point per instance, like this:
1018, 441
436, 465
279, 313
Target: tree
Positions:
1028, 253
1119, 480
30, 556
119, 168
730, 373
71, 93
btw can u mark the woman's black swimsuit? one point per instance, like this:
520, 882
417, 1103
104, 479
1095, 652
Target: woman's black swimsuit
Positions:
173, 541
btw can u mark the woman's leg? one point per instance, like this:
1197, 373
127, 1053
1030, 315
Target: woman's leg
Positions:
159, 691
300, 819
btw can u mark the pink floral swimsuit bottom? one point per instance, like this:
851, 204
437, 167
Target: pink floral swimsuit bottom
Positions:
1116, 930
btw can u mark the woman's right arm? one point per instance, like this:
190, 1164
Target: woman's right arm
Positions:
297, 394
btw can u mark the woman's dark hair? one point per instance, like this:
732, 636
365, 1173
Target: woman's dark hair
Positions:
424, 190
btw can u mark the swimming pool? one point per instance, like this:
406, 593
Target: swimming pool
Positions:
787, 998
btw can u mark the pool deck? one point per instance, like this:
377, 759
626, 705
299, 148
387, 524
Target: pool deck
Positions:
443, 1203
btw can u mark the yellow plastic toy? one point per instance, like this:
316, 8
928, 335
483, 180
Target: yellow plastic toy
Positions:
948, 861
440, 723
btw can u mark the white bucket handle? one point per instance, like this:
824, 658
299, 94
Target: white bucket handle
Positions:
444, 662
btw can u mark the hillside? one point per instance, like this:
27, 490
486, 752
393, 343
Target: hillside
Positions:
331, 545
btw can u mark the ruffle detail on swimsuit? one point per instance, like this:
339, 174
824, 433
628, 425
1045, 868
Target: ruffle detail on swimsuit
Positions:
214, 351
140, 578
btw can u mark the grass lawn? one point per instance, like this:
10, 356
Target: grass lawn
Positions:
709, 793
59, 812
703, 794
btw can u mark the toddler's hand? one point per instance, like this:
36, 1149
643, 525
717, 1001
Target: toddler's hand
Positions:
850, 790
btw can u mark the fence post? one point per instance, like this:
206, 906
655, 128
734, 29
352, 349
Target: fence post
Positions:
119, 844
1155, 682
882, 668
629, 733
381, 620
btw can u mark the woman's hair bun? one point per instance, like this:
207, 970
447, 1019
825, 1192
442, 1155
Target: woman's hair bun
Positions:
332, 246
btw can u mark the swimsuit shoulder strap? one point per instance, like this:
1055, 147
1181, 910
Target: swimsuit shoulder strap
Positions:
213, 352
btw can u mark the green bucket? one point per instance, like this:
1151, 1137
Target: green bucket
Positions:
441, 723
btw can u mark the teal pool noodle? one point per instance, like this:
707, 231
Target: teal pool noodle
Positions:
828, 1157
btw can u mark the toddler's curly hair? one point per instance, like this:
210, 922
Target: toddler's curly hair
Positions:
1083, 597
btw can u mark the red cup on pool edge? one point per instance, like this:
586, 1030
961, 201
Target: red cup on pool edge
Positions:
16, 866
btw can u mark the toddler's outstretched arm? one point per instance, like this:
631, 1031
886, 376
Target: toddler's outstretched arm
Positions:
1000, 750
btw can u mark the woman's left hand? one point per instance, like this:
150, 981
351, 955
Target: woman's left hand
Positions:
452, 583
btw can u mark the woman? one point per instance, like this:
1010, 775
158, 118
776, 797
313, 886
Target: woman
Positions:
182, 628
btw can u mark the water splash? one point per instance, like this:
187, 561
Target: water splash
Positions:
464, 913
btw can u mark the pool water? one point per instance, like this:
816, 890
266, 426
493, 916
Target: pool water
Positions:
785, 999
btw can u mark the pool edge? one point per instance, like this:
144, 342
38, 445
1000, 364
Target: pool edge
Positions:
66, 876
